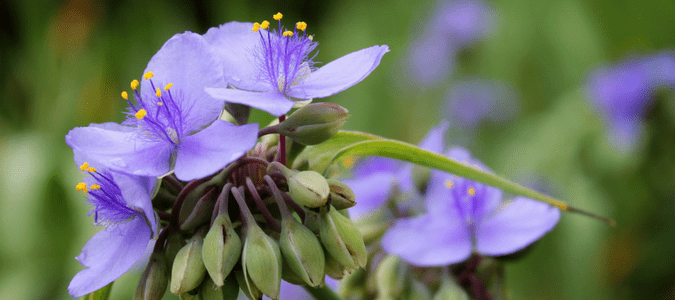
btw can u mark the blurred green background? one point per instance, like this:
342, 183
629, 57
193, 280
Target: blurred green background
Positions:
64, 63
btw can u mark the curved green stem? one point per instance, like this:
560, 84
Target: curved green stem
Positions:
324, 292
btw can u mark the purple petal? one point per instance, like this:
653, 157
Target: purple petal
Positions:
209, 150
431, 59
434, 141
187, 61
274, 103
515, 226
375, 164
427, 241
109, 254
464, 21
339, 74
121, 150
371, 192
136, 191
234, 43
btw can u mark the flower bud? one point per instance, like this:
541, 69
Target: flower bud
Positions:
342, 240
341, 195
314, 123
188, 267
200, 214
250, 290
334, 269
450, 290
302, 251
211, 291
174, 242
221, 250
309, 189
353, 285
154, 279
417, 290
390, 277
261, 262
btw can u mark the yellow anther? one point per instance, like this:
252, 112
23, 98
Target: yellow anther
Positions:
288, 33
168, 86
278, 16
349, 162
91, 170
125, 95
134, 84
84, 166
160, 103
81, 187
95, 187
311, 37
264, 24
472, 191
449, 184
140, 114
148, 75
158, 93
301, 26
256, 27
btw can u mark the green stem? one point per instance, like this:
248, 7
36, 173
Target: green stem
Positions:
324, 292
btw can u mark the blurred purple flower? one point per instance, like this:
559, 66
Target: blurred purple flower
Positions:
121, 203
471, 101
374, 178
463, 217
623, 92
297, 292
174, 120
454, 25
268, 68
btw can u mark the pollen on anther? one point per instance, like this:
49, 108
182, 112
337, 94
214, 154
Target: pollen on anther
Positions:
159, 92
84, 166
256, 27
125, 95
160, 103
449, 184
140, 114
264, 24
301, 26
91, 170
168, 86
288, 33
472, 191
95, 187
311, 37
148, 75
81, 187
278, 16
134, 84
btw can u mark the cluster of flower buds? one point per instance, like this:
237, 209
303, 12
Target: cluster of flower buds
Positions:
256, 222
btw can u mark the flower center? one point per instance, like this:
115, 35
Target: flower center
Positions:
283, 56
158, 116
106, 197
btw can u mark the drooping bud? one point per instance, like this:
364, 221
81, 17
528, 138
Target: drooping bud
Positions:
334, 269
261, 261
309, 189
341, 195
154, 279
188, 268
314, 123
250, 290
221, 250
342, 240
174, 242
201, 213
390, 277
302, 251
450, 290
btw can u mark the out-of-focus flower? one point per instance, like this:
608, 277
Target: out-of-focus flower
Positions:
121, 203
268, 68
623, 92
471, 101
463, 217
174, 120
374, 178
454, 25
297, 292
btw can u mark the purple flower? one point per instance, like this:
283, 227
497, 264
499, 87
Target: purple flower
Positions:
474, 100
268, 68
454, 26
298, 292
464, 217
122, 203
173, 124
622, 93
375, 177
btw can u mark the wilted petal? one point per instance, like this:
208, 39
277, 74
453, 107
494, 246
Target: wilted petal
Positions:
274, 103
428, 241
515, 226
109, 254
339, 74
209, 150
121, 150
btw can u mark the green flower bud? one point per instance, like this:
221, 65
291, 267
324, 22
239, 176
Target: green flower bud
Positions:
250, 290
420, 177
188, 268
221, 250
191, 295
450, 290
390, 277
417, 291
154, 279
211, 291
261, 262
373, 226
353, 286
302, 251
342, 240
314, 123
334, 269
289, 275
230, 288
200, 214
309, 189
341, 195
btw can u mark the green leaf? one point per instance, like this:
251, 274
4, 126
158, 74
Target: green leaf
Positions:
320, 156
411, 153
102, 294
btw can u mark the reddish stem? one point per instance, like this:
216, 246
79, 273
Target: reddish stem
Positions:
282, 144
